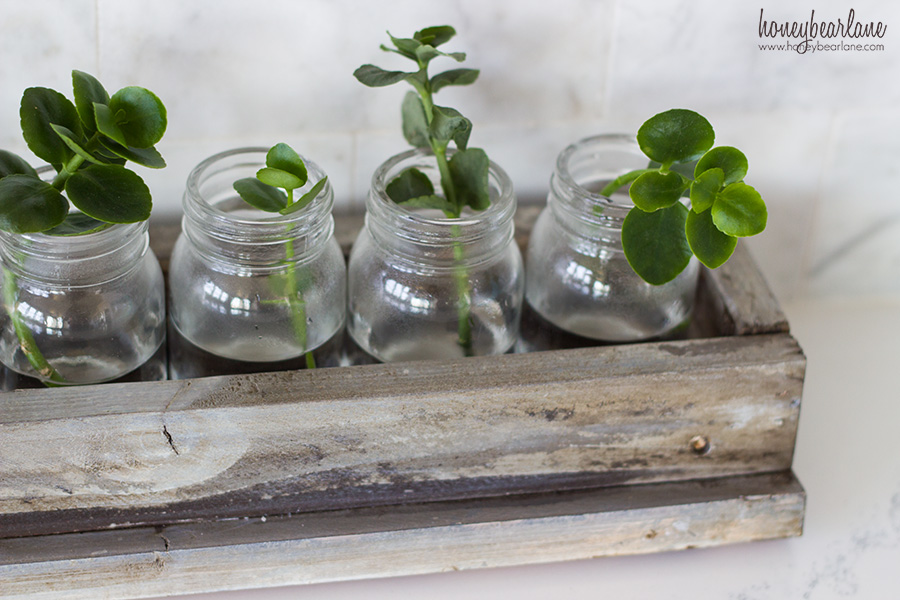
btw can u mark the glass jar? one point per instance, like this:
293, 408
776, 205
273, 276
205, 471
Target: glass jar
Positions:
253, 291
423, 286
81, 309
577, 274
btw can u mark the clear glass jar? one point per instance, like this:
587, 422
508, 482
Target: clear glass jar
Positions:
251, 290
577, 274
92, 305
417, 279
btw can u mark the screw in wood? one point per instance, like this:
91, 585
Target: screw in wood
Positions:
700, 444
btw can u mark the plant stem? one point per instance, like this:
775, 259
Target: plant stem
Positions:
460, 273
610, 188
294, 297
26, 340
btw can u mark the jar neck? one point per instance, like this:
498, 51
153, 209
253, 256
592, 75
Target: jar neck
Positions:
75, 261
224, 228
424, 236
582, 171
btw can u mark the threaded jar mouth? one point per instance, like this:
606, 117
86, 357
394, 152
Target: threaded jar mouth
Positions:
427, 235
224, 227
584, 168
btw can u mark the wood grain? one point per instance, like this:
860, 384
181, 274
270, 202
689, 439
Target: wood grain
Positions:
412, 539
385, 434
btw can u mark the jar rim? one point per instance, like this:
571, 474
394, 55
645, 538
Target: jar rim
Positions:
209, 210
563, 172
498, 206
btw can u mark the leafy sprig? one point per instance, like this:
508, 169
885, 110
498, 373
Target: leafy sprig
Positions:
284, 169
660, 234
88, 143
464, 175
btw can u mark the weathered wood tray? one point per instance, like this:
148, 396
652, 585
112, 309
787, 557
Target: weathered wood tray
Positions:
131, 490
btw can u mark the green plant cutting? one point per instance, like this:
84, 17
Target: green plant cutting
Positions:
660, 234
464, 172
87, 142
286, 171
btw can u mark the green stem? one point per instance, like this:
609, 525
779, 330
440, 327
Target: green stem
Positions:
26, 340
610, 188
295, 298
464, 302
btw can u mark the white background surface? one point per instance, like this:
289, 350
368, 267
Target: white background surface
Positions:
822, 132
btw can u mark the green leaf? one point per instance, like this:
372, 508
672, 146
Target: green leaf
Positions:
655, 243
469, 172
432, 201
78, 224
110, 193
731, 160
12, 164
146, 157
305, 198
411, 183
454, 77
278, 178
67, 136
435, 36
40, 107
415, 124
30, 205
676, 135
739, 211
88, 91
654, 190
259, 195
283, 157
424, 54
106, 124
705, 188
709, 245
406, 46
373, 76
448, 124
140, 115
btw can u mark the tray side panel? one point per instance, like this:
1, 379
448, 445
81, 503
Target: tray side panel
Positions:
389, 434
413, 539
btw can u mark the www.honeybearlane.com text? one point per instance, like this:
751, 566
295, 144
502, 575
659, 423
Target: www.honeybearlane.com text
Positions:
808, 31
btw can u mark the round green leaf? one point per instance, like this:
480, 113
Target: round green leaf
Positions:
78, 224
454, 77
435, 36
676, 135
411, 183
88, 91
739, 211
654, 190
283, 157
40, 107
469, 173
106, 124
705, 188
655, 243
415, 123
710, 246
67, 136
140, 115
731, 160
146, 157
12, 164
373, 76
259, 195
449, 124
30, 205
278, 178
110, 193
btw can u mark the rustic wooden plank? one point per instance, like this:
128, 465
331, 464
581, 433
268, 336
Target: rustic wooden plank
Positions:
382, 434
411, 539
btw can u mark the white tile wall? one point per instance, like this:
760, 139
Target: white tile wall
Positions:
236, 72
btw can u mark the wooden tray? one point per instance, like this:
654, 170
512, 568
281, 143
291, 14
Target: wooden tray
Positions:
131, 490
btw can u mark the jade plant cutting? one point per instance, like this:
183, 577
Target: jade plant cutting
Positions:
463, 172
87, 142
660, 234
286, 171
